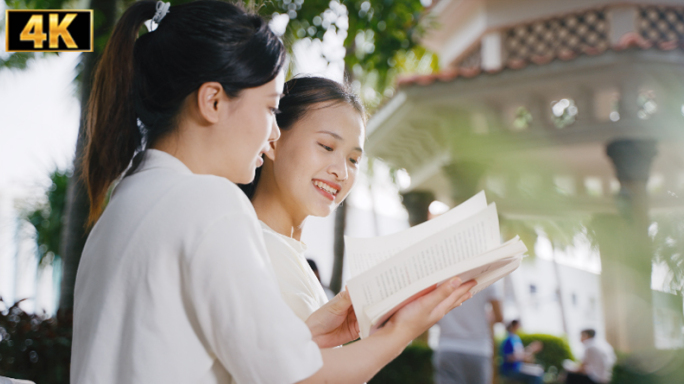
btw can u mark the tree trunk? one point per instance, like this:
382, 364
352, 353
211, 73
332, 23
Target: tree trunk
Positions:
561, 300
338, 248
74, 232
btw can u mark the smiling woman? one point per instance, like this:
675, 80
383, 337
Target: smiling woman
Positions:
308, 172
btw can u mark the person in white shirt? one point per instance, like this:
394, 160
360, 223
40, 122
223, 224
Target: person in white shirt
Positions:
597, 364
174, 284
298, 284
465, 350
308, 172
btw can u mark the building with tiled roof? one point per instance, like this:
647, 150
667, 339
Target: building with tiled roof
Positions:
559, 110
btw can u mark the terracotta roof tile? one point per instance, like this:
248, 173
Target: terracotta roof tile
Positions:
630, 40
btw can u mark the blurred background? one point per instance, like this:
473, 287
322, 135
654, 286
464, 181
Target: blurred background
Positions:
569, 114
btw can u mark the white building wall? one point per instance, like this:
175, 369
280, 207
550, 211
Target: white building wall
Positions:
539, 307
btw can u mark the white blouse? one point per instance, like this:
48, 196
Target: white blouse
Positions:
298, 284
174, 286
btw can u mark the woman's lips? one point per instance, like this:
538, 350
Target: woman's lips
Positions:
327, 189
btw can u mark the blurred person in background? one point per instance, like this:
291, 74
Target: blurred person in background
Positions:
517, 359
314, 268
465, 351
597, 364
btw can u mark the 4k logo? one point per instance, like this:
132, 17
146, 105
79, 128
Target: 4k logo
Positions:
49, 31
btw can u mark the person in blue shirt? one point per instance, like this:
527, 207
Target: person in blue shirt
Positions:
515, 356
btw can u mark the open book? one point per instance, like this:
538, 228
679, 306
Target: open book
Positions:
388, 272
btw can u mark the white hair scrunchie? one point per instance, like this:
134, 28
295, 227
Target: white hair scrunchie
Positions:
162, 10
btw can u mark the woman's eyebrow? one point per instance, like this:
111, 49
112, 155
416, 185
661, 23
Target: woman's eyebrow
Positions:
338, 137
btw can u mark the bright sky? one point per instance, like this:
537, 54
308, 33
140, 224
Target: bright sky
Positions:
39, 115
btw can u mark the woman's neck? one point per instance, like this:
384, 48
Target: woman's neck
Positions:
273, 209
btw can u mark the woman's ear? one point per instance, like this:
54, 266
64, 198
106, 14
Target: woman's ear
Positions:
271, 150
209, 96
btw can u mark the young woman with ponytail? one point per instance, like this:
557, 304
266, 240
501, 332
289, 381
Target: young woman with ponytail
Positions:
174, 284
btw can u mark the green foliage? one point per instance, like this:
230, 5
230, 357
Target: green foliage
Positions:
560, 232
20, 60
413, 366
555, 350
388, 26
653, 367
35, 348
380, 37
38, 4
47, 218
667, 233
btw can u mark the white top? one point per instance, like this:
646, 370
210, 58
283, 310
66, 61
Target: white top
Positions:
174, 286
298, 284
466, 328
599, 359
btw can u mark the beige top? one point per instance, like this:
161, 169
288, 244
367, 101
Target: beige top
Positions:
298, 285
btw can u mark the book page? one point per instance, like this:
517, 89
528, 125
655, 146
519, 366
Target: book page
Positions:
362, 254
484, 275
375, 300
439, 252
469, 238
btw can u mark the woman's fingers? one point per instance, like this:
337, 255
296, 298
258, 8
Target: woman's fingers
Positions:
436, 297
341, 303
462, 298
437, 300
354, 329
456, 298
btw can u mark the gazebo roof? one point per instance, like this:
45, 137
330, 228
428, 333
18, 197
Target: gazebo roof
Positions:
565, 38
630, 40
616, 72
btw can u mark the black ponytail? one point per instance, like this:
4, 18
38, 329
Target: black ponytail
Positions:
141, 83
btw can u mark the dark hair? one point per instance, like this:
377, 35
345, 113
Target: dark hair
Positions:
512, 324
313, 265
589, 332
141, 84
300, 95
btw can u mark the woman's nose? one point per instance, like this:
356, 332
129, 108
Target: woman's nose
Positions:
339, 169
275, 132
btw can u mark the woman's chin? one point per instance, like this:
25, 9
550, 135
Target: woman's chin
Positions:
322, 211
245, 178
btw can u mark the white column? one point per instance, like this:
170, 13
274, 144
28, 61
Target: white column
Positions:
492, 54
623, 20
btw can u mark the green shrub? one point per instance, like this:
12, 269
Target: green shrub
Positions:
652, 367
555, 350
413, 366
35, 348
